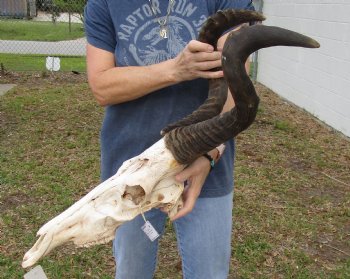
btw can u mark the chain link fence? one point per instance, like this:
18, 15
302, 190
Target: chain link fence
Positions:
33, 31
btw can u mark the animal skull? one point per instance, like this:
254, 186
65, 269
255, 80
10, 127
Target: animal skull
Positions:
147, 181
141, 183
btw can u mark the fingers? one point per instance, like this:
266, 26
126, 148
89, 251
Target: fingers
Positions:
197, 46
197, 60
196, 174
205, 56
208, 65
218, 74
203, 62
184, 175
191, 196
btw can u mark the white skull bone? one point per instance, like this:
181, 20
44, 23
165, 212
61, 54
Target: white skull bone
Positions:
142, 183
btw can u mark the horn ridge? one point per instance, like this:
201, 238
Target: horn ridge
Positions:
212, 106
202, 137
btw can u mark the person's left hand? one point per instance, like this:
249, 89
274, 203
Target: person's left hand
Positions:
195, 176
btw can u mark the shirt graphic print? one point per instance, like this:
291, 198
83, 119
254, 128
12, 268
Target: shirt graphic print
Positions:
138, 32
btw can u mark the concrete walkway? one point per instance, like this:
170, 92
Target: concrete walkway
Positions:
73, 47
5, 87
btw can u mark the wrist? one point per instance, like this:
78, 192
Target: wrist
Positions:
217, 152
214, 155
173, 74
210, 159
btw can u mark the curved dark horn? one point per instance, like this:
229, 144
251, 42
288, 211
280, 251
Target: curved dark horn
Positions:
190, 142
210, 33
237, 51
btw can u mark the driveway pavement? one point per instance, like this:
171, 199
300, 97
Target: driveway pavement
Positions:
63, 17
73, 47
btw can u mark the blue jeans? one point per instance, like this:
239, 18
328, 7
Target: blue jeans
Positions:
203, 236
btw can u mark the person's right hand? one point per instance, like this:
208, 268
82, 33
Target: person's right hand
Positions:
195, 61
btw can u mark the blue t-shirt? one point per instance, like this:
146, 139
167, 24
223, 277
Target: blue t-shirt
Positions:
130, 30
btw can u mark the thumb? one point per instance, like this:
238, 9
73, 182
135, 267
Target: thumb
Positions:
196, 46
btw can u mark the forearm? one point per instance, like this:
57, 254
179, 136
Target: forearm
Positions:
121, 84
112, 84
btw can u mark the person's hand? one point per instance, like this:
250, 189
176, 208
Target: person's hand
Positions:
195, 176
195, 61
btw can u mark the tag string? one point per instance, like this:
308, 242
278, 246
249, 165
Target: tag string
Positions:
143, 215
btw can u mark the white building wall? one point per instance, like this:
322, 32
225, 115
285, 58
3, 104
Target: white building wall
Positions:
317, 80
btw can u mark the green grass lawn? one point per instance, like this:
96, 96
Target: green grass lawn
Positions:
24, 30
35, 62
292, 198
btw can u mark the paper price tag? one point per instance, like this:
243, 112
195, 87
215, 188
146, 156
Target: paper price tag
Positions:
150, 231
36, 273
